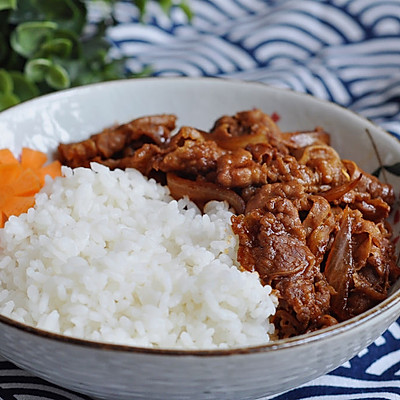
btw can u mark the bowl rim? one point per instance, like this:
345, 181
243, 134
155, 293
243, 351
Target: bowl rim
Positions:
389, 303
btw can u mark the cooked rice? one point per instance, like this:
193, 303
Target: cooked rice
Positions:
110, 256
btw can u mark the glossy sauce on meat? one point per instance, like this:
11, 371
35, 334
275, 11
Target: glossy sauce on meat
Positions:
311, 224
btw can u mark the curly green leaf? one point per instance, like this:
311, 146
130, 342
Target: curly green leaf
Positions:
68, 14
166, 5
58, 77
59, 47
44, 47
24, 89
6, 82
8, 4
141, 5
187, 10
74, 40
37, 69
8, 100
42, 69
27, 38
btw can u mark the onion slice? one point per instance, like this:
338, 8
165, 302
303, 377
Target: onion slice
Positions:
201, 192
339, 191
339, 267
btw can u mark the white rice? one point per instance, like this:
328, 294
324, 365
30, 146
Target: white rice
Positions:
110, 256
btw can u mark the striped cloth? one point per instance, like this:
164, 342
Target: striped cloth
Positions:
346, 51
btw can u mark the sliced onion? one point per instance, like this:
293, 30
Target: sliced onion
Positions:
240, 142
339, 191
318, 151
339, 266
201, 192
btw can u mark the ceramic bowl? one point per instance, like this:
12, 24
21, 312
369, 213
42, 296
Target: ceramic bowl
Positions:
114, 371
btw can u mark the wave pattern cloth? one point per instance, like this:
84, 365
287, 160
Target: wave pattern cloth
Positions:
346, 51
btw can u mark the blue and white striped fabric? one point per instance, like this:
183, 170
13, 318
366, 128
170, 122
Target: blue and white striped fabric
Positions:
346, 51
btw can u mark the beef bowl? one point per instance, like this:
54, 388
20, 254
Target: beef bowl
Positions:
208, 239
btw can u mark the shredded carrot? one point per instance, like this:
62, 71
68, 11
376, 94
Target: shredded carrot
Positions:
21, 180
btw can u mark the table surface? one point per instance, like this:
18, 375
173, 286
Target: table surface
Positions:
345, 51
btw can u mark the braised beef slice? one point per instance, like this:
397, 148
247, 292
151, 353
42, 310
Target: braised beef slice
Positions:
246, 127
111, 142
189, 154
273, 242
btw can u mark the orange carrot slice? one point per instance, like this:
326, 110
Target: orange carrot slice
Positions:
53, 169
3, 218
20, 181
27, 184
32, 158
7, 157
5, 193
9, 173
16, 205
